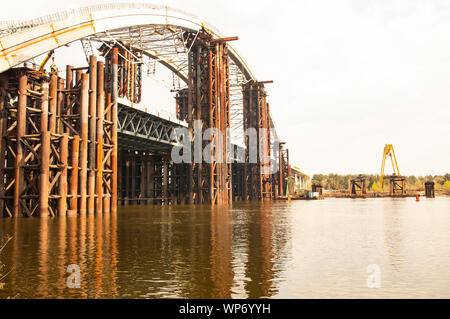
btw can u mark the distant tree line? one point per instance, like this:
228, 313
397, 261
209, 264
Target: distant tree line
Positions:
341, 182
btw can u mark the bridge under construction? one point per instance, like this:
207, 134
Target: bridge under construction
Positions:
80, 142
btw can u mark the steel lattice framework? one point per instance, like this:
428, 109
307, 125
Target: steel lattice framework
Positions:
142, 128
61, 138
159, 33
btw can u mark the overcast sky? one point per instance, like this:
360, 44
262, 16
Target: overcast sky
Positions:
350, 75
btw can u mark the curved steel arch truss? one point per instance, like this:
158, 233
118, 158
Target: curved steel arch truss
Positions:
159, 32
155, 29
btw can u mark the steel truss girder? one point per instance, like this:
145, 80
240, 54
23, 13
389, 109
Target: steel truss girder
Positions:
149, 127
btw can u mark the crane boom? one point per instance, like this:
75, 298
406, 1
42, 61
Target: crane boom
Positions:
42, 66
388, 151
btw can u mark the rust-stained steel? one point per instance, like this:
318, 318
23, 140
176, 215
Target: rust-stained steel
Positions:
280, 172
45, 153
429, 189
84, 115
258, 184
59, 146
53, 103
127, 181
114, 137
62, 202
279, 182
74, 175
144, 183
55, 118
133, 180
99, 138
107, 151
150, 182
3, 132
44, 176
129, 79
225, 39
164, 182
20, 132
92, 133
208, 102
60, 105
358, 186
397, 186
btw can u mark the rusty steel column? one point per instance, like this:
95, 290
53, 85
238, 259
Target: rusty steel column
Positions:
45, 173
69, 86
84, 114
165, 181
133, 180
92, 132
78, 75
62, 203
100, 119
21, 127
228, 167
208, 102
261, 149
190, 127
115, 96
3, 129
44, 154
53, 102
44, 107
280, 163
246, 116
107, 156
120, 195
143, 180
289, 172
60, 105
250, 167
131, 79
127, 181
150, 182
74, 176
198, 112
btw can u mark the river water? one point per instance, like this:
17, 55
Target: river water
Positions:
298, 249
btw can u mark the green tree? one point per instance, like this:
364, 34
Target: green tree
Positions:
447, 187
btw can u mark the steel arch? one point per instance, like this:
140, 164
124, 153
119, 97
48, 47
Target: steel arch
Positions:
23, 40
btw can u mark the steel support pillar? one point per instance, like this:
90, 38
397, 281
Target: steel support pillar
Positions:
208, 104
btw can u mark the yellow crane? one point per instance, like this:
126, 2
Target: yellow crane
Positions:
46, 59
388, 151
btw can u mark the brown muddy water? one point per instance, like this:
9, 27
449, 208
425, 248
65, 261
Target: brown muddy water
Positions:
298, 249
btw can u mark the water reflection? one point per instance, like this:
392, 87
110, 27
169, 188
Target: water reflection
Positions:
221, 260
149, 252
393, 227
239, 252
42, 248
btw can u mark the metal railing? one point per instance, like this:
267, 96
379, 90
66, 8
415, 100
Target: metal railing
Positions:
11, 26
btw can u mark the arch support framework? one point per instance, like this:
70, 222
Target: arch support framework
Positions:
59, 146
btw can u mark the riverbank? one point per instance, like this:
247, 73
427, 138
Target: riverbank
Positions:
346, 194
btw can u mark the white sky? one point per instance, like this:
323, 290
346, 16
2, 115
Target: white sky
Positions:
350, 75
